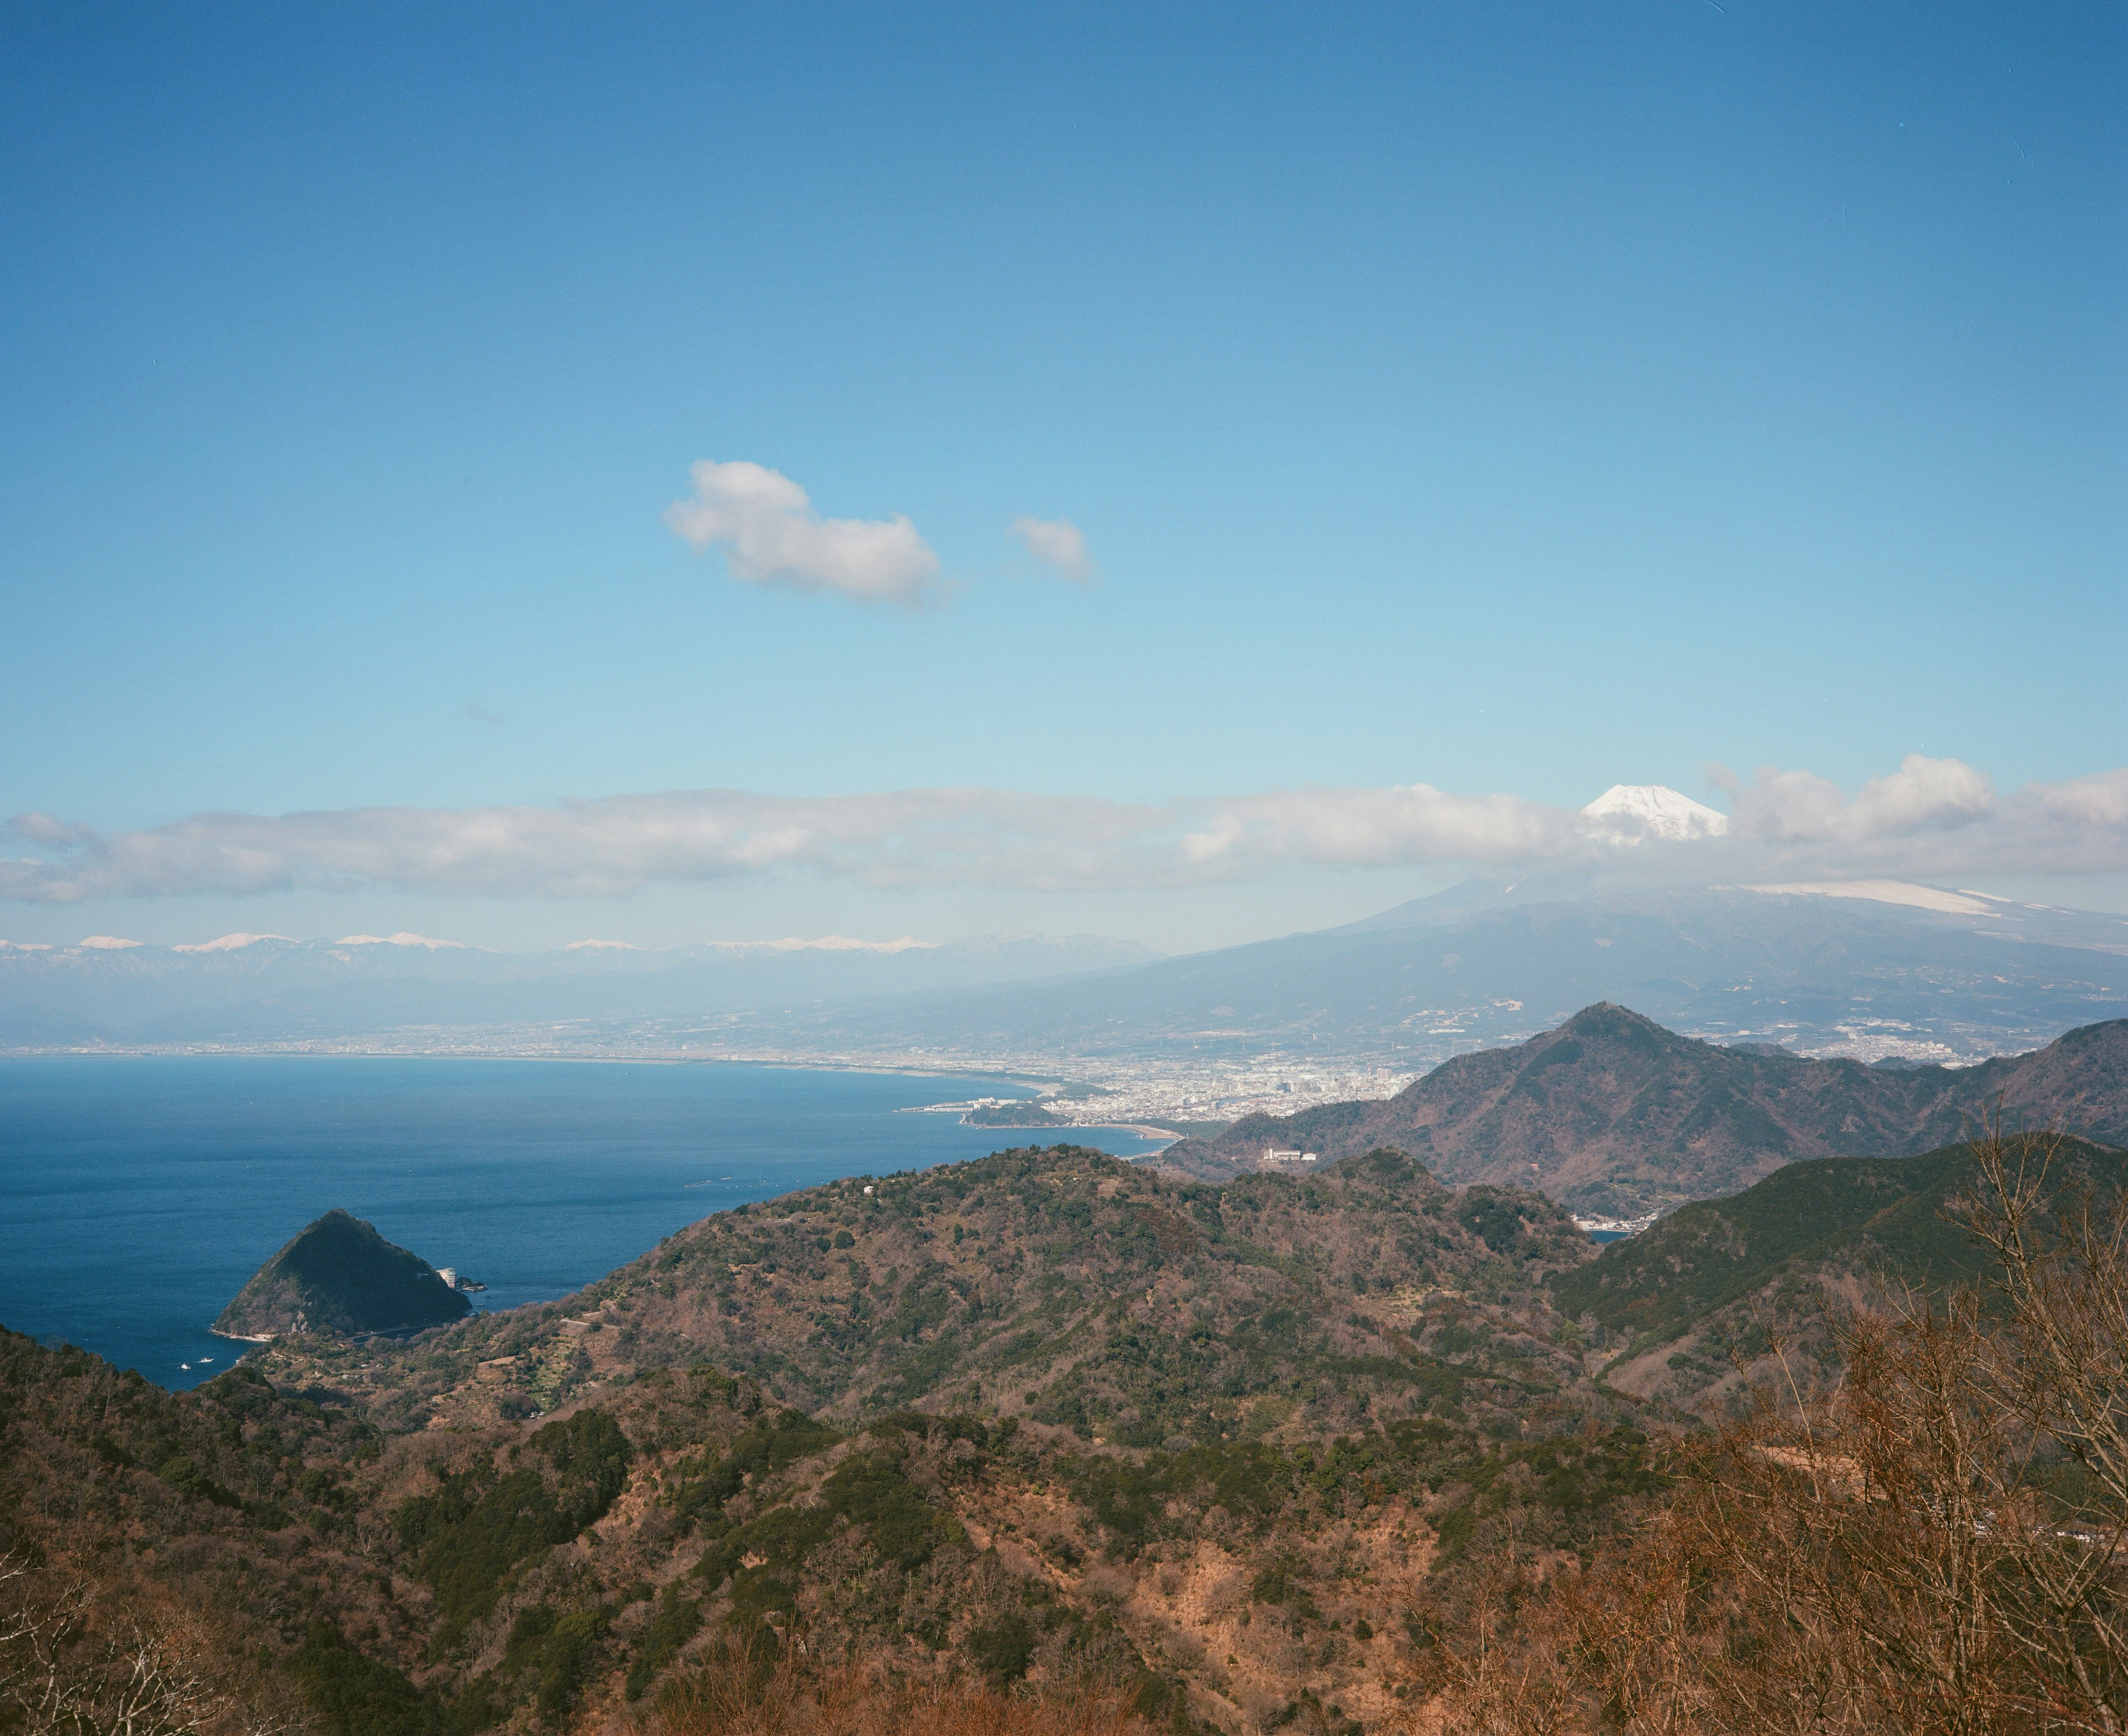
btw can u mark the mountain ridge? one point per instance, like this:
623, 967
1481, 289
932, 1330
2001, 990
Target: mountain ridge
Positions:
1940, 976
1497, 961
1243, 1456
1613, 1112
1044, 1418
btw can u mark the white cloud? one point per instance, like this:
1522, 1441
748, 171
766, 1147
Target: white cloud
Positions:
1931, 818
1348, 827
1060, 544
1922, 795
41, 828
772, 536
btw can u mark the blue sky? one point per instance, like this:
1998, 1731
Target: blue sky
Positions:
1513, 402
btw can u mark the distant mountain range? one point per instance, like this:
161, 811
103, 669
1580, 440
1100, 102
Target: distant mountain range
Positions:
1870, 969
254, 989
1612, 1112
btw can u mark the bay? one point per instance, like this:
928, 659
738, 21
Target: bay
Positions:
137, 1193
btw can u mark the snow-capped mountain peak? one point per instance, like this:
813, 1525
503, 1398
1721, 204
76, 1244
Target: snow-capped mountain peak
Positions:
825, 943
228, 943
1628, 813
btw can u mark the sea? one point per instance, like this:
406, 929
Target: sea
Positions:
138, 1193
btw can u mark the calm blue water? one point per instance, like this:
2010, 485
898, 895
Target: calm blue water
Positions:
138, 1193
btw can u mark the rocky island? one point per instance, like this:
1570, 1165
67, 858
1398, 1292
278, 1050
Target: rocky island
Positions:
339, 1276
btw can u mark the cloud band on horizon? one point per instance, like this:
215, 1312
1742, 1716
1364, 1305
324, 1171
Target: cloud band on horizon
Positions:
1930, 817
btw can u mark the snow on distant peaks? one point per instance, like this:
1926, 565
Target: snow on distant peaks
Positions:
602, 946
229, 943
1629, 813
1889, 892
827, 943
401, 939
106, 942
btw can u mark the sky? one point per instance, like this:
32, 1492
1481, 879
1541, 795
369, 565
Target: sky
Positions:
1188, 473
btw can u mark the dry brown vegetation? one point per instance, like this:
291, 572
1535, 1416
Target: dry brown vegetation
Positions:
1932, 1542
1401, 1509
734, 1693
78, 1657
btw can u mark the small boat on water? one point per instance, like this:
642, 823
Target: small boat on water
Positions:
205, 1359
184, 1365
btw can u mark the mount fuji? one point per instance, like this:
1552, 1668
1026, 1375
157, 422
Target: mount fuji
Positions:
1631, 814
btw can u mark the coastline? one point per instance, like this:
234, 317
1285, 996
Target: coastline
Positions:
174, 1185
301, 1052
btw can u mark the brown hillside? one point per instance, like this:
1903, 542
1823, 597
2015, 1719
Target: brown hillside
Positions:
1612, 1112
1026, 1435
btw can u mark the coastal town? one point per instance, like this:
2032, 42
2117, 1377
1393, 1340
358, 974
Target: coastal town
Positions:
1172, 1097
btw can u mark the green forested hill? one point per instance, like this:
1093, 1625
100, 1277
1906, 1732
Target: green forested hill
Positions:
338, 1275
1849, 1214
